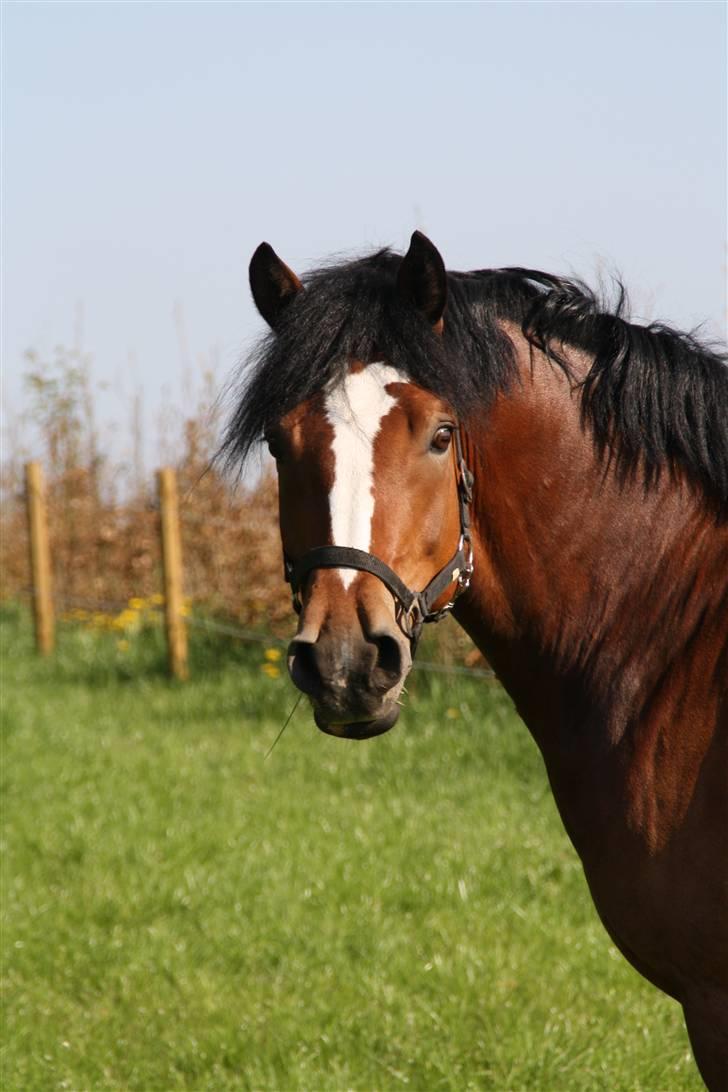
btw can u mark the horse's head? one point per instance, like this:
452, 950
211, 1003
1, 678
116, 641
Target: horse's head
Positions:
373, 512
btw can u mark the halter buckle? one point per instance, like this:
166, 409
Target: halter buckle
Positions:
289, 577
463, 578
466, 546
465, 481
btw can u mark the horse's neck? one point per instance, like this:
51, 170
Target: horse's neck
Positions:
585, 588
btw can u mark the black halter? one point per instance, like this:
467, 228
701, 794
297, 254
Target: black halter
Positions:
415, 608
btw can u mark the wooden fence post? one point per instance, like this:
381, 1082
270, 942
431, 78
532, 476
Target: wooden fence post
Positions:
172, 568
40, 558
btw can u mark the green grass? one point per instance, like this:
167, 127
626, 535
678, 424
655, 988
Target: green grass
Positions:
180, 913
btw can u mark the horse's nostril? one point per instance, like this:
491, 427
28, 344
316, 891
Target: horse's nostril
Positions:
330, 671
388, 666
303, 667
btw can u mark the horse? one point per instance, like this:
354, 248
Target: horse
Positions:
505, 445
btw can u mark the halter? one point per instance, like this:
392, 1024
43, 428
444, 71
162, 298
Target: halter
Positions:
414, 608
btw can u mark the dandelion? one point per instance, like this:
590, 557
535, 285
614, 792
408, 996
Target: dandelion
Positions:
273, 655
125, 620
137, 604
452, 713
156, 600
270, 670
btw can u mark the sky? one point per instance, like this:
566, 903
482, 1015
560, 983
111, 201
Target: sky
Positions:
147, 148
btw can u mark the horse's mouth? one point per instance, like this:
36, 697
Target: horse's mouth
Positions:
360, 729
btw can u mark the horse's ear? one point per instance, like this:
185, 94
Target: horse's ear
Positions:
272, 283
422, 279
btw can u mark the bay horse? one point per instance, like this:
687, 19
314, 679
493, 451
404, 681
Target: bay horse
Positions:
502, 444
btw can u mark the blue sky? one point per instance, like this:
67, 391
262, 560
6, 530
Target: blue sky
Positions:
148, 148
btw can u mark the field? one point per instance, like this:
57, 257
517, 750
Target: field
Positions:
180, 912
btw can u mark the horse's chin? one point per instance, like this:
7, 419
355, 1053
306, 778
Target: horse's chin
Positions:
361, 729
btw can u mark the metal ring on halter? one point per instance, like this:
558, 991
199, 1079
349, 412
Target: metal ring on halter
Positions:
410, 620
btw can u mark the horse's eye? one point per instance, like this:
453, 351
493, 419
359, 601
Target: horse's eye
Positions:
274, 447
441, 439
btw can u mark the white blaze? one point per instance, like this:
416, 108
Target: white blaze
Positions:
355, 408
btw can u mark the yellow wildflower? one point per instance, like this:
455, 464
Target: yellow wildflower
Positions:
125, 620
452, 714
273, 655
137, 604
122, 645
271, 670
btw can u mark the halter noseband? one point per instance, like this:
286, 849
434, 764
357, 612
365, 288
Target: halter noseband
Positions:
415, 608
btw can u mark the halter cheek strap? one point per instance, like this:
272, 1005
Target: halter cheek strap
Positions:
415, 608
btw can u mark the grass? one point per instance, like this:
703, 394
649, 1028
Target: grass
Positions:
179, 913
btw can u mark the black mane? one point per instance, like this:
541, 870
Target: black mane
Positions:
653, 397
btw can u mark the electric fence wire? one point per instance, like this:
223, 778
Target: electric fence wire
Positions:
228, 630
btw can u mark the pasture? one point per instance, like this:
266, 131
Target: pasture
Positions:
180, 913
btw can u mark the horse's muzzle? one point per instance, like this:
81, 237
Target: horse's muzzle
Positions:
353, 682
